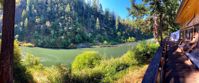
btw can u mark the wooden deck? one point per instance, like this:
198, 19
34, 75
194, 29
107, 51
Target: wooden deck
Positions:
177, 68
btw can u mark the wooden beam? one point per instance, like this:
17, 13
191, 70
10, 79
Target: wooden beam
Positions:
187, 12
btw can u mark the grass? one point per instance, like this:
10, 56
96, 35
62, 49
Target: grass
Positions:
135, 75
66, 56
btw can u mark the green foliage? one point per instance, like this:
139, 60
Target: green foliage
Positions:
24, 13
68, 23
68, 9
26, 23
105, 43
90, 67
106, 72
58, 74
87, 76
30, 60
117, 22
144, 51
129, 57
97, 24
20, 72
42, 74
87, 59
26, 44
109, 70
131, 39
165, 10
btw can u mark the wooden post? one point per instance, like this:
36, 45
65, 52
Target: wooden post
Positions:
7, 44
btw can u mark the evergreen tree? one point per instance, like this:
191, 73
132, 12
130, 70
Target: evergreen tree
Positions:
68, 8
97, 24
165, 10
66, 23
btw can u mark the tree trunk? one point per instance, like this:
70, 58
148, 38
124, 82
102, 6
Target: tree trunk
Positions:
7, 46
161, 27
155, 28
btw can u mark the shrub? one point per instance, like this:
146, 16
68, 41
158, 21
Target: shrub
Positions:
131, 39
105, 72
105, 43
129, 57
31, 61
88, 75
111, 68
144, 51
57, 74
88, 59
26, 44
42, 74
20, 72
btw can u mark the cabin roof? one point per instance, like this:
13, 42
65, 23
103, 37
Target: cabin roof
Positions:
188, 13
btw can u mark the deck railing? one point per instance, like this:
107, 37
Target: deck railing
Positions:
152, 71
155, 70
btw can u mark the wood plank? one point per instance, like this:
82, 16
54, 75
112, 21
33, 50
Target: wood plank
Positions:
152, 71
179, 70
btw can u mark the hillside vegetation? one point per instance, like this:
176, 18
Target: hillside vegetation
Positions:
71, 24
106, 70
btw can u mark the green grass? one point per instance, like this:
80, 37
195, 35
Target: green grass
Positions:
66, 56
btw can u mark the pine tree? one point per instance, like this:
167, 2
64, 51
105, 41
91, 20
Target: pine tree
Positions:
165, 10
68, 8
97, 24
117, 22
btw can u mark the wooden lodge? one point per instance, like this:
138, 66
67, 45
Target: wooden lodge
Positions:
170, 66
188, 18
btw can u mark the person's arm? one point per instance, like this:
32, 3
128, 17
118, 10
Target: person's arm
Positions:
193, 40
186, 40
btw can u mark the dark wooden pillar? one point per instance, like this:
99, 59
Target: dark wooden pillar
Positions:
7, 46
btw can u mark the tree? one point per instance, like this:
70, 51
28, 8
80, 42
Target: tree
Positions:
97, 24
68, 8
26, 23
165, 10
96, 4
117, 22
58, 23
7, 47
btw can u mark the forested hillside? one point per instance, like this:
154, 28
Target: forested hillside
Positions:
68, 23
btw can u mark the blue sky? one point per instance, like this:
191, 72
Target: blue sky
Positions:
118, 6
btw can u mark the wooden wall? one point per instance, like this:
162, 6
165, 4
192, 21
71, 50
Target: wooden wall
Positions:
188, 14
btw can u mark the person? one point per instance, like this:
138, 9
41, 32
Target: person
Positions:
193, 43
187, 45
